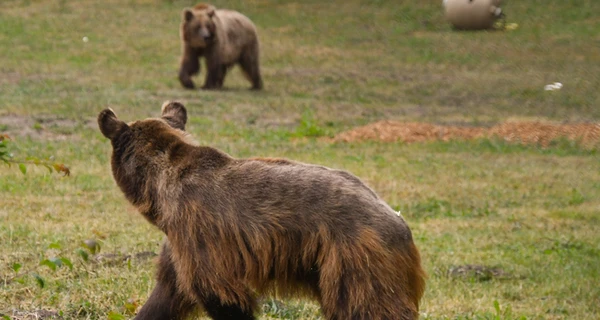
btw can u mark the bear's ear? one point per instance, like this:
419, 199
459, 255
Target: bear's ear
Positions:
187, 15
109, 124
210, 11
175, 114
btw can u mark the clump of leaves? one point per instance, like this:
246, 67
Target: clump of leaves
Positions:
54, 259
7, 158
20, 277
54, 262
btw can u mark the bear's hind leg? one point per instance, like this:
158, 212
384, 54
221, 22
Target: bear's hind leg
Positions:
220, 311
358, 295
250, 67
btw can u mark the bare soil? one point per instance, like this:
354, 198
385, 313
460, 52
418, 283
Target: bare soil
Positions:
39, 127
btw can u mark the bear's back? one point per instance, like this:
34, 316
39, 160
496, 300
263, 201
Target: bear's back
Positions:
306, 194
234, 20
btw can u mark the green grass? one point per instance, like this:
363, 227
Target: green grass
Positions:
532, 213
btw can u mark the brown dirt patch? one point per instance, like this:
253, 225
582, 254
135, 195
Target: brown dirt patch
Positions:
117, 258
477, 272
39, 127
540, 133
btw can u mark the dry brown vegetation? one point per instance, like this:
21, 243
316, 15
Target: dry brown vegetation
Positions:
536, 133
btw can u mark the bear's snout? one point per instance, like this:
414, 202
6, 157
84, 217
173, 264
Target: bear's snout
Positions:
205, 34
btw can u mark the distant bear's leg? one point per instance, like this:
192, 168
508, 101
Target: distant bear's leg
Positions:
249, 62
214, 78
219, 311
214, 72
166, 302
222, 78
190, 65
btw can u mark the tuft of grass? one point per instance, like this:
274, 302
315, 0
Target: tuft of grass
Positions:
308, 126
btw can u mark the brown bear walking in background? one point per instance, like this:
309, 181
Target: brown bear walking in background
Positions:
241, 227
223, 38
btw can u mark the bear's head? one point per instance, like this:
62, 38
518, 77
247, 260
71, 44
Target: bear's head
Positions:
198, 26
172, 121
142, 149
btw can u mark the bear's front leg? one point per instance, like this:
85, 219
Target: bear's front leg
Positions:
166, 302
190, 65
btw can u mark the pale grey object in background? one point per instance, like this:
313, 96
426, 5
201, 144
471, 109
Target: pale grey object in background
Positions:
472, 14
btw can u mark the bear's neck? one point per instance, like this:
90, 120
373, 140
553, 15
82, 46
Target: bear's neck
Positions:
184, 155
139, 176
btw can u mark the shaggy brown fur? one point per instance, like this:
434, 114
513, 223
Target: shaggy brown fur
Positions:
241, 227
224, 38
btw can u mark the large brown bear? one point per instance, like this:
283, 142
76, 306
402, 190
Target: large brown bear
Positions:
240, 227
223, 38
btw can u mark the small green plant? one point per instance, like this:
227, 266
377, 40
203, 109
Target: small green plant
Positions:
39, 280
115, 316
308, 126
17, 277
576, 198
83, 254
506, 313
7, 158
16, 267
56, 262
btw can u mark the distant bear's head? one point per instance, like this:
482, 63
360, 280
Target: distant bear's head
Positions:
141, 148
198, 26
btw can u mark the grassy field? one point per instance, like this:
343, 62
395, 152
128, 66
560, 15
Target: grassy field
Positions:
505, 231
